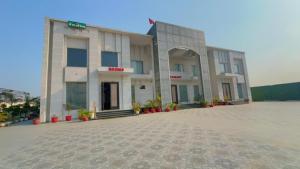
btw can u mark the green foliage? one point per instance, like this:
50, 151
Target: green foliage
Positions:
10, 97
3, 106
216, 101
68, 108
16, 118
203, 103
158, 100
4, 117
84, 113
136, 107
172, 105
151, 103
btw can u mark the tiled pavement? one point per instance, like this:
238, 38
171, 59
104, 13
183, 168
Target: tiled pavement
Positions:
254, 136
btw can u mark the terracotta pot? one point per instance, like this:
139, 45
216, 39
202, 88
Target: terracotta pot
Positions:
158, 109
175, 108
54, 119
84, 118
36, 121
69, 118
145, 111
167, 109
152, 110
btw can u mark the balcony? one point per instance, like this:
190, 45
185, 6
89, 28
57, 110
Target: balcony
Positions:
240, 78
148, 75
182, 76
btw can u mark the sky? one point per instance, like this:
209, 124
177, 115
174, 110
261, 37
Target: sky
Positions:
268, 31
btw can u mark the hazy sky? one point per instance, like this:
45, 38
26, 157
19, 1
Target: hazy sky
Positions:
267, 30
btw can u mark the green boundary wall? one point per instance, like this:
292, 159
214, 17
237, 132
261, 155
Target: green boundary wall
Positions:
279, 92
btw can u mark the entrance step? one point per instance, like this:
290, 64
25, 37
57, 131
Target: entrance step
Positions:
114, 114
188, 106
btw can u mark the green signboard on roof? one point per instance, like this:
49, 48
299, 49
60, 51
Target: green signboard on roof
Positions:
76, 25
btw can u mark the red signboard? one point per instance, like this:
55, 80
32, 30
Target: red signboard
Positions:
116, 69
175, 77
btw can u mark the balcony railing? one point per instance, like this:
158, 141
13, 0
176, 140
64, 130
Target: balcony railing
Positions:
182, 76
145, 75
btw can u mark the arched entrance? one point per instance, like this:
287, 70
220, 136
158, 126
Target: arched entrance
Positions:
185, 76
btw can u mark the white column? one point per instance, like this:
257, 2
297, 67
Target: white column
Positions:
93, 76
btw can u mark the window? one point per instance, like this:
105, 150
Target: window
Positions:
76, 94
223, 58
240, 90
137, 66
195, 70
178, 67
76, 57
238, 66
109, 59
222, 68
196, 93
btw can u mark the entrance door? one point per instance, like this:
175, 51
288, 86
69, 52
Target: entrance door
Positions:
174, 94
183, 93
110, 95
226, 91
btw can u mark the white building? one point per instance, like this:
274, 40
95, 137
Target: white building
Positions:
19, 97
86, 65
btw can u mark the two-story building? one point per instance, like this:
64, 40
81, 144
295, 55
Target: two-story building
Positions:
88, 66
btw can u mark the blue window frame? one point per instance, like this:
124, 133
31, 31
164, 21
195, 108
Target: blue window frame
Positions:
76, 95
137, 66
76, 57
109, 59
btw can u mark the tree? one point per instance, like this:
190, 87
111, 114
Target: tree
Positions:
26, 106
3, 106
10, 97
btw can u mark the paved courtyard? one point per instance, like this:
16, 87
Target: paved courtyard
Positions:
255, 136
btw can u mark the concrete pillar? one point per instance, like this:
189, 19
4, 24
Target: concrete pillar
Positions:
57, 83
93, 76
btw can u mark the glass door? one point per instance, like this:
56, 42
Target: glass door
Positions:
110, 95
183, 93
226, 91
174, 94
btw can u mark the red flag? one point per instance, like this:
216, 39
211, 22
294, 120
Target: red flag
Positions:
151, 21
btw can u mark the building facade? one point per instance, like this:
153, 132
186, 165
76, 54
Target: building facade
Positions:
87, 66
18, 97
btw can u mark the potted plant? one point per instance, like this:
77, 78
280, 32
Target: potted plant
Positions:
173, 106
84, 114
68, 116
136, 108
158, 103
226, 100
203, 103
36, 121
152, 106
216, 101
3, 119
167, 108
146, 108
54, 119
